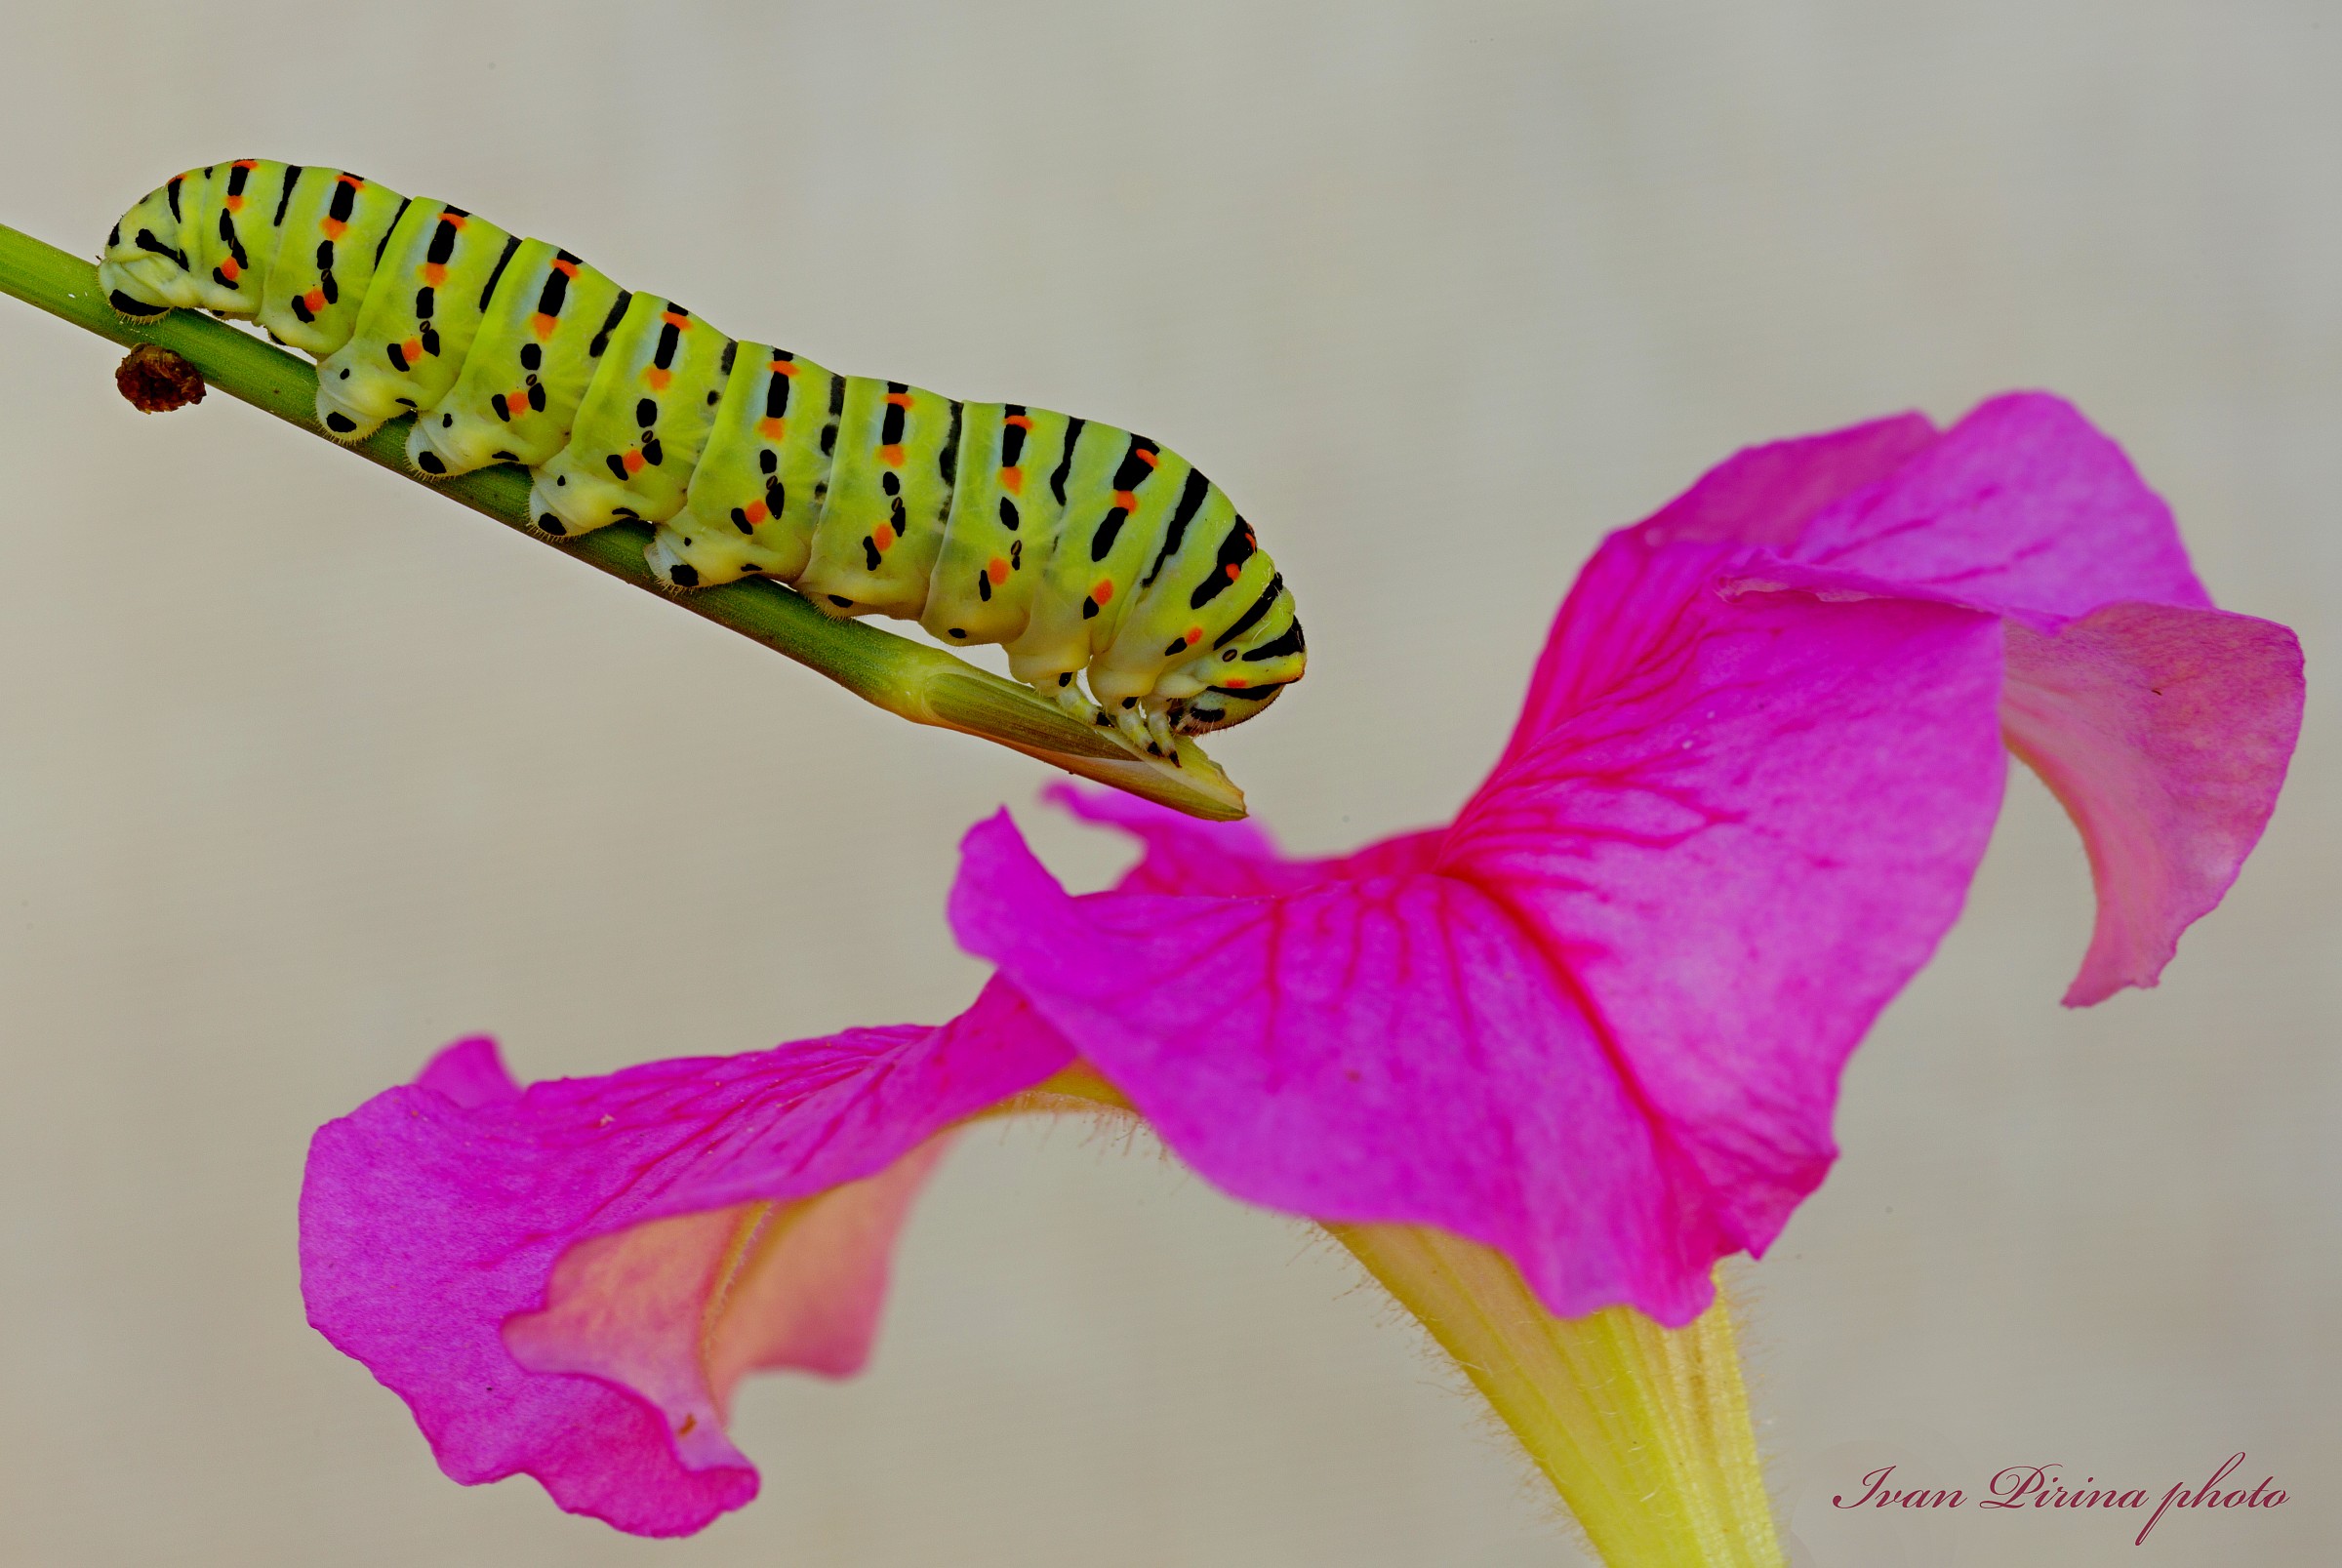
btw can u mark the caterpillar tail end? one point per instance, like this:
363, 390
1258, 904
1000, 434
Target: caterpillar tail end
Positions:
117, 280
136, 311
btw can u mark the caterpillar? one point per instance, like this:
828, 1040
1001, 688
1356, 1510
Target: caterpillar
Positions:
1081, 549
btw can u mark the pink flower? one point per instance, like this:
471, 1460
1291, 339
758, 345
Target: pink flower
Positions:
568, 1281
1596, 1022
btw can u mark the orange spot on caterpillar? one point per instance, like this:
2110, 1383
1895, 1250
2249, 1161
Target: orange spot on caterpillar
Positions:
633, 462
434, 273
228, 269
997, 571
755, 512
1195, 635
411, 349
657, 378
334, 227
891, 456
1146, 456
1104, 592
772, 429
679, 323
246, 164
898, 399
543, 325
351, 181
883, 536
315, 300
1128, 499
1235, 683
785, 367
1012, 480
1020, 421
454, 220
235, 204
568, 270
1232, 572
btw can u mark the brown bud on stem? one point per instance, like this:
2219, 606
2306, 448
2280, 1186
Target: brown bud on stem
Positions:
156, 380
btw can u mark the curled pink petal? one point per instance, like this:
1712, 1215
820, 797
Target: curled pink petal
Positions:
567, 1281
2165, 732
678, 1310
1760, 496
2164, 726
2023, 507
1767, 494
470, 1073
1599, 1022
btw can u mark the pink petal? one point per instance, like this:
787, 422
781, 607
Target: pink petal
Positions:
2026, 509
469, 1073
1182, 853
1377, 1050
1761, 496
1743, 855
2165, 732
2022, 507
1235, 859
678, 1310
1767, 494
567, 1282
1604, 1035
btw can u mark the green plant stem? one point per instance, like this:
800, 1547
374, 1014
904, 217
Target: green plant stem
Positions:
925, 685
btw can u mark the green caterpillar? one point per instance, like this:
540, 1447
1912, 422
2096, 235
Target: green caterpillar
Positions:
1079, 547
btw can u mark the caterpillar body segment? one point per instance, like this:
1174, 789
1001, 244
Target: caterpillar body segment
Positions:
1077, 547
418, 321
980, 590
888, 498
530, 365
329, 227
640, 426
763, 480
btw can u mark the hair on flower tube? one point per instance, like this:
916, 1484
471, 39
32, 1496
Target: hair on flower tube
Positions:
1594, 1023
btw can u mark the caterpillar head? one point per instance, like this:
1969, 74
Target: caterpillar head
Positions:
1247, 674
1219, 711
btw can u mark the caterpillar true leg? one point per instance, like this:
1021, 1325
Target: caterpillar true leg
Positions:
1080, 548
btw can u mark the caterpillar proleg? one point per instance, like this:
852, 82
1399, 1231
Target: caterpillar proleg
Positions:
1082, 548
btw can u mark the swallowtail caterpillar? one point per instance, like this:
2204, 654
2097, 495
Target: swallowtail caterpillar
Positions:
1079, 547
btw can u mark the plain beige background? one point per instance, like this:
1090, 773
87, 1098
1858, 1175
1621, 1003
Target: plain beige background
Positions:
304, 771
